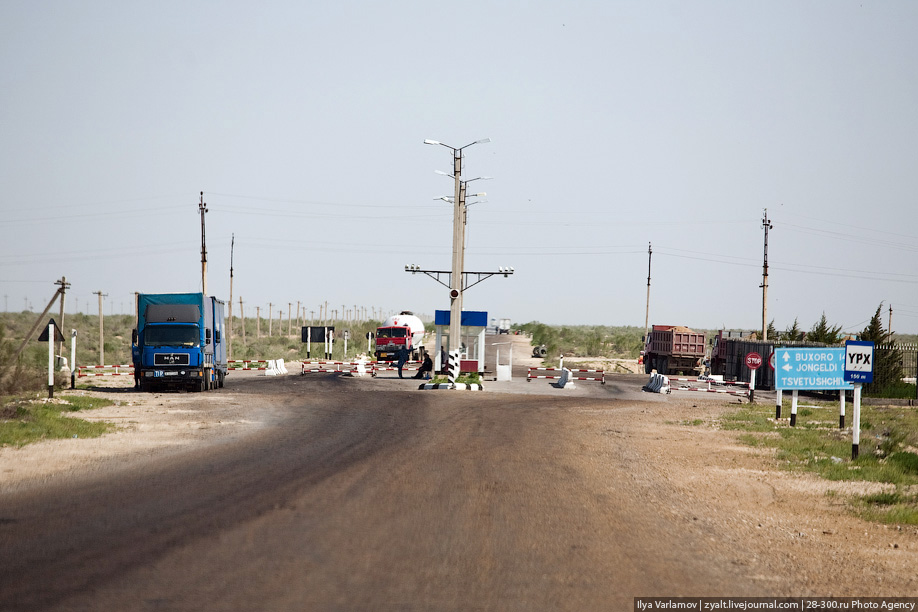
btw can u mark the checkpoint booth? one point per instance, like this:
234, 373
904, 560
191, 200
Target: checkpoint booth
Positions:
472, 331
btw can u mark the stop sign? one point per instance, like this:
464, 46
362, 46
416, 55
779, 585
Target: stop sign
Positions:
753, 361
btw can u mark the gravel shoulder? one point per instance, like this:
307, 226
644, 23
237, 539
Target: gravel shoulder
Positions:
149, 426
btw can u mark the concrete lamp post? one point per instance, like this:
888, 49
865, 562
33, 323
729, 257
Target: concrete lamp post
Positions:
455, 292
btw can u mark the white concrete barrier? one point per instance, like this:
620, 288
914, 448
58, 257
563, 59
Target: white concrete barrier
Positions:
565, 382
658, 383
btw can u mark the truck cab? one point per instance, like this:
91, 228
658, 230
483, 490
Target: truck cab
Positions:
391, 340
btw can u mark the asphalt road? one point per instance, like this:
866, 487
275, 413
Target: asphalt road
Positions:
359, 496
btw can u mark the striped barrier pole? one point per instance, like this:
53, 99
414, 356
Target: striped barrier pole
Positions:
453, 366
601, 375
245, 364
80, 371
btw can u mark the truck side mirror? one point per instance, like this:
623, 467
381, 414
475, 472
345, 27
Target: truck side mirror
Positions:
217, 335
206, 336
133, 336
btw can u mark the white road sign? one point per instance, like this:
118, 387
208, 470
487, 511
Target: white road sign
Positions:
810, 368
859, 361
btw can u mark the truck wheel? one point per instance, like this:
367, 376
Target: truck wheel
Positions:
220, 377
648, 367
663, 366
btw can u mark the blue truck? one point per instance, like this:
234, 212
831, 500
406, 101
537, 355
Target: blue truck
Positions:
179, 342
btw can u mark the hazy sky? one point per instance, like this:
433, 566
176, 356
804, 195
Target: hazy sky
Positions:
613, 125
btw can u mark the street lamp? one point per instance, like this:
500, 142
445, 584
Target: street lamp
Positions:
455, 293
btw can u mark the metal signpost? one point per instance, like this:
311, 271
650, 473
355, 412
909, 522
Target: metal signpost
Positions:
753, 362
819, 369
771, 364
858, 370
51, 335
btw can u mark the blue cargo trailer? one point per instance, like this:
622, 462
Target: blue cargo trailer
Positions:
179, 342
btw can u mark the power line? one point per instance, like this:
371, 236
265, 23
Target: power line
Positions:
873, 275
858, 238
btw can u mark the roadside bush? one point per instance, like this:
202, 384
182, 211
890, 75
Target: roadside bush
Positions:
586, 340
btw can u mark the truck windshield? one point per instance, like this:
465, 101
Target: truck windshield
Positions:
172, 335
392, 332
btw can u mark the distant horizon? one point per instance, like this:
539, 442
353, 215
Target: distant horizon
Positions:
428, 319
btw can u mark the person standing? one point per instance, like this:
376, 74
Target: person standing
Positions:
402, 360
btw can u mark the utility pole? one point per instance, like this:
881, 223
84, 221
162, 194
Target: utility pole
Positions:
38, 321
888, 329
270, 318
229, 328
289, 319
64, 285
242, 317
456, 276
202, 207
101, 335
258, 321
455, 293
647, 311
766, 223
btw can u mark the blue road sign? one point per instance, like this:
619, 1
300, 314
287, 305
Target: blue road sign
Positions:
810, 368
859, 361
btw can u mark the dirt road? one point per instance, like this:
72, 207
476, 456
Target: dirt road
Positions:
328, 493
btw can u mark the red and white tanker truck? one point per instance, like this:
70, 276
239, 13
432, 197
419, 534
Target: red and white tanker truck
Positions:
403, 330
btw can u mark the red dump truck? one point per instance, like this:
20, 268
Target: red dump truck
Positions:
674, 349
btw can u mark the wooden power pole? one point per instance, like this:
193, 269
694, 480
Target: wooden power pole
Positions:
242, 318
101, 334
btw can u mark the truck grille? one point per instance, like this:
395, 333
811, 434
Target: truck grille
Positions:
168, 359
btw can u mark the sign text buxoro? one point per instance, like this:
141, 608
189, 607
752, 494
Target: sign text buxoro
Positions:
810, 368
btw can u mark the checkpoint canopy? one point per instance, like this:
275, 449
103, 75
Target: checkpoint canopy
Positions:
472, 331
820, 368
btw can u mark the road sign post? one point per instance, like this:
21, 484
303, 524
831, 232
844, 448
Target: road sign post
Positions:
856, 422
51, 335
841, 409
73, 337
858, 370
50, 359
753, 362
771, 364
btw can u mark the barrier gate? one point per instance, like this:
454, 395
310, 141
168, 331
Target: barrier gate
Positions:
594, 375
